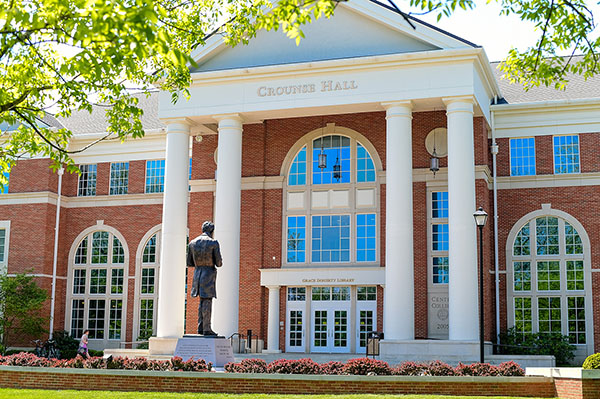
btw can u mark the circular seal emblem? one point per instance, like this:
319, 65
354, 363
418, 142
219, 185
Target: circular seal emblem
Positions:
442, 314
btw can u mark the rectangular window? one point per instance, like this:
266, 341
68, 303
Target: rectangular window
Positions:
522, 276
77, 313
148, 280
440, 270
575, 275
116, 281
119, 178
321, 293
439, 239
87, 181
296, 328
576, 311
331, 238
566, 154
155, 176
296, 239
439, 204
340, 293
296, 293
546, 230
522, 156
79, 281
366, 237
100, 247
366, 325
337, 168
98, 281
549, 315
114, 324
366, 293
548, 275
523, 315
96, 317
146, 317
2, 245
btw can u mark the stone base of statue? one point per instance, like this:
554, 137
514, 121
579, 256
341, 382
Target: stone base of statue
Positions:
212, 348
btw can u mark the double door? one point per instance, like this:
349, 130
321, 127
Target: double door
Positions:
331, 326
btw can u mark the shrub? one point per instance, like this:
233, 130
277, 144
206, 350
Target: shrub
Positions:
301, 366
476, 369
410, 368
25, 359
333, 368
438, 368
514, 342
247, 366
510, 369
366, 366
592, 362
177, 364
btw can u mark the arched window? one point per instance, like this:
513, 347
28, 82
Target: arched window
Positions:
147, 270
97, 286
332, 201
549, 280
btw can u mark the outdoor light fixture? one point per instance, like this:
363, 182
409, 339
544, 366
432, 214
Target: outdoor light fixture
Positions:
322, 159
337, 170
435, 161
480, 218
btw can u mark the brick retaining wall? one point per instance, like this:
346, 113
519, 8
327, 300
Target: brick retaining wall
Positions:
129, 380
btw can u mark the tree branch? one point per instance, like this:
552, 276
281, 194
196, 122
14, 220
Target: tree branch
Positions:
539, 50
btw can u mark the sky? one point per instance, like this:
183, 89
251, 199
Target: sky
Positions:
485, 27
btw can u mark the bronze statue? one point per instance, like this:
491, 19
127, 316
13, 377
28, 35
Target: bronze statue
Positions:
204, 254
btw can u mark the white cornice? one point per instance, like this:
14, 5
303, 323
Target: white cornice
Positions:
548, 181
583, 103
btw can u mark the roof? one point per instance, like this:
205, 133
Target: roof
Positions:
84, 122
577, 88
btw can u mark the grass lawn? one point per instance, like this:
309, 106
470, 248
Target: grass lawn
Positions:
44, 394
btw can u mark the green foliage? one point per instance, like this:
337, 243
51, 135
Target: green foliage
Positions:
21, 302
592, 362
64, 341
68, 55
516, 343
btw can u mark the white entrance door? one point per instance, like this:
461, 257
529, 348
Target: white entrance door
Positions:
330, 319
366, 315
295, 330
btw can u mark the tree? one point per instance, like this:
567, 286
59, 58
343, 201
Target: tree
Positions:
65, 55
21, 302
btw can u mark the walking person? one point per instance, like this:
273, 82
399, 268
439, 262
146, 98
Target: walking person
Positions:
83, 345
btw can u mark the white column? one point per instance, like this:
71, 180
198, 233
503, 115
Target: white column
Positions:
398, 298
171, 286
273, 323
227, 224
462, 288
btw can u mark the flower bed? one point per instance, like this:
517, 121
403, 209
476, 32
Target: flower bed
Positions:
360, 366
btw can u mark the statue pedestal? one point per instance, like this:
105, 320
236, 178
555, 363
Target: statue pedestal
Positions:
214, 349
162, 346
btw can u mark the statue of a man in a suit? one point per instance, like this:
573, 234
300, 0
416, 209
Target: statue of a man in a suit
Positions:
205, 256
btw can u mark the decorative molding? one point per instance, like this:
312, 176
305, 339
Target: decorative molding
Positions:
545, 181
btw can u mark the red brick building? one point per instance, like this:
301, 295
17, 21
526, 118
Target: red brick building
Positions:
318, 252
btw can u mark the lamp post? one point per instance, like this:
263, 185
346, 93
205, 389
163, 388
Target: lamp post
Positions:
480, 218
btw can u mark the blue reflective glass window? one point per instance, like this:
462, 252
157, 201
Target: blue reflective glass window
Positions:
439, 204
365, 169
522, 156
366, 232
296, 239
87, 180
190, 170
440, 270
297, 175
331, 238
155, 176
337, 150
440, 237
566, 154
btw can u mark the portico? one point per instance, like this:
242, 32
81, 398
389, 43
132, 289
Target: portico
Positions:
226, 95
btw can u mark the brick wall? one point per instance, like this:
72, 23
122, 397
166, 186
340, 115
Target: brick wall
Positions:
121, 380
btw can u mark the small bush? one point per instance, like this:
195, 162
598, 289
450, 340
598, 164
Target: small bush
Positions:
177, 364
510, 369
247, 366
333, 368
476, 369
366, 366
438, 368
592, 362
301, 366
25, 359
410, 368
514, 342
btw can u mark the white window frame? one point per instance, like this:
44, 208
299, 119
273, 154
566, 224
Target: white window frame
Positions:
5, 225
79, 192
563, 293
110, 179
108, 296
578, 155
146, 177
309, 188
534, 155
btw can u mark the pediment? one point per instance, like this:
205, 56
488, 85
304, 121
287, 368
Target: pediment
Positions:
359, 28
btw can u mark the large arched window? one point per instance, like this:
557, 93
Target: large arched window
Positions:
549, 281
97, 289
146, 286
331, 200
